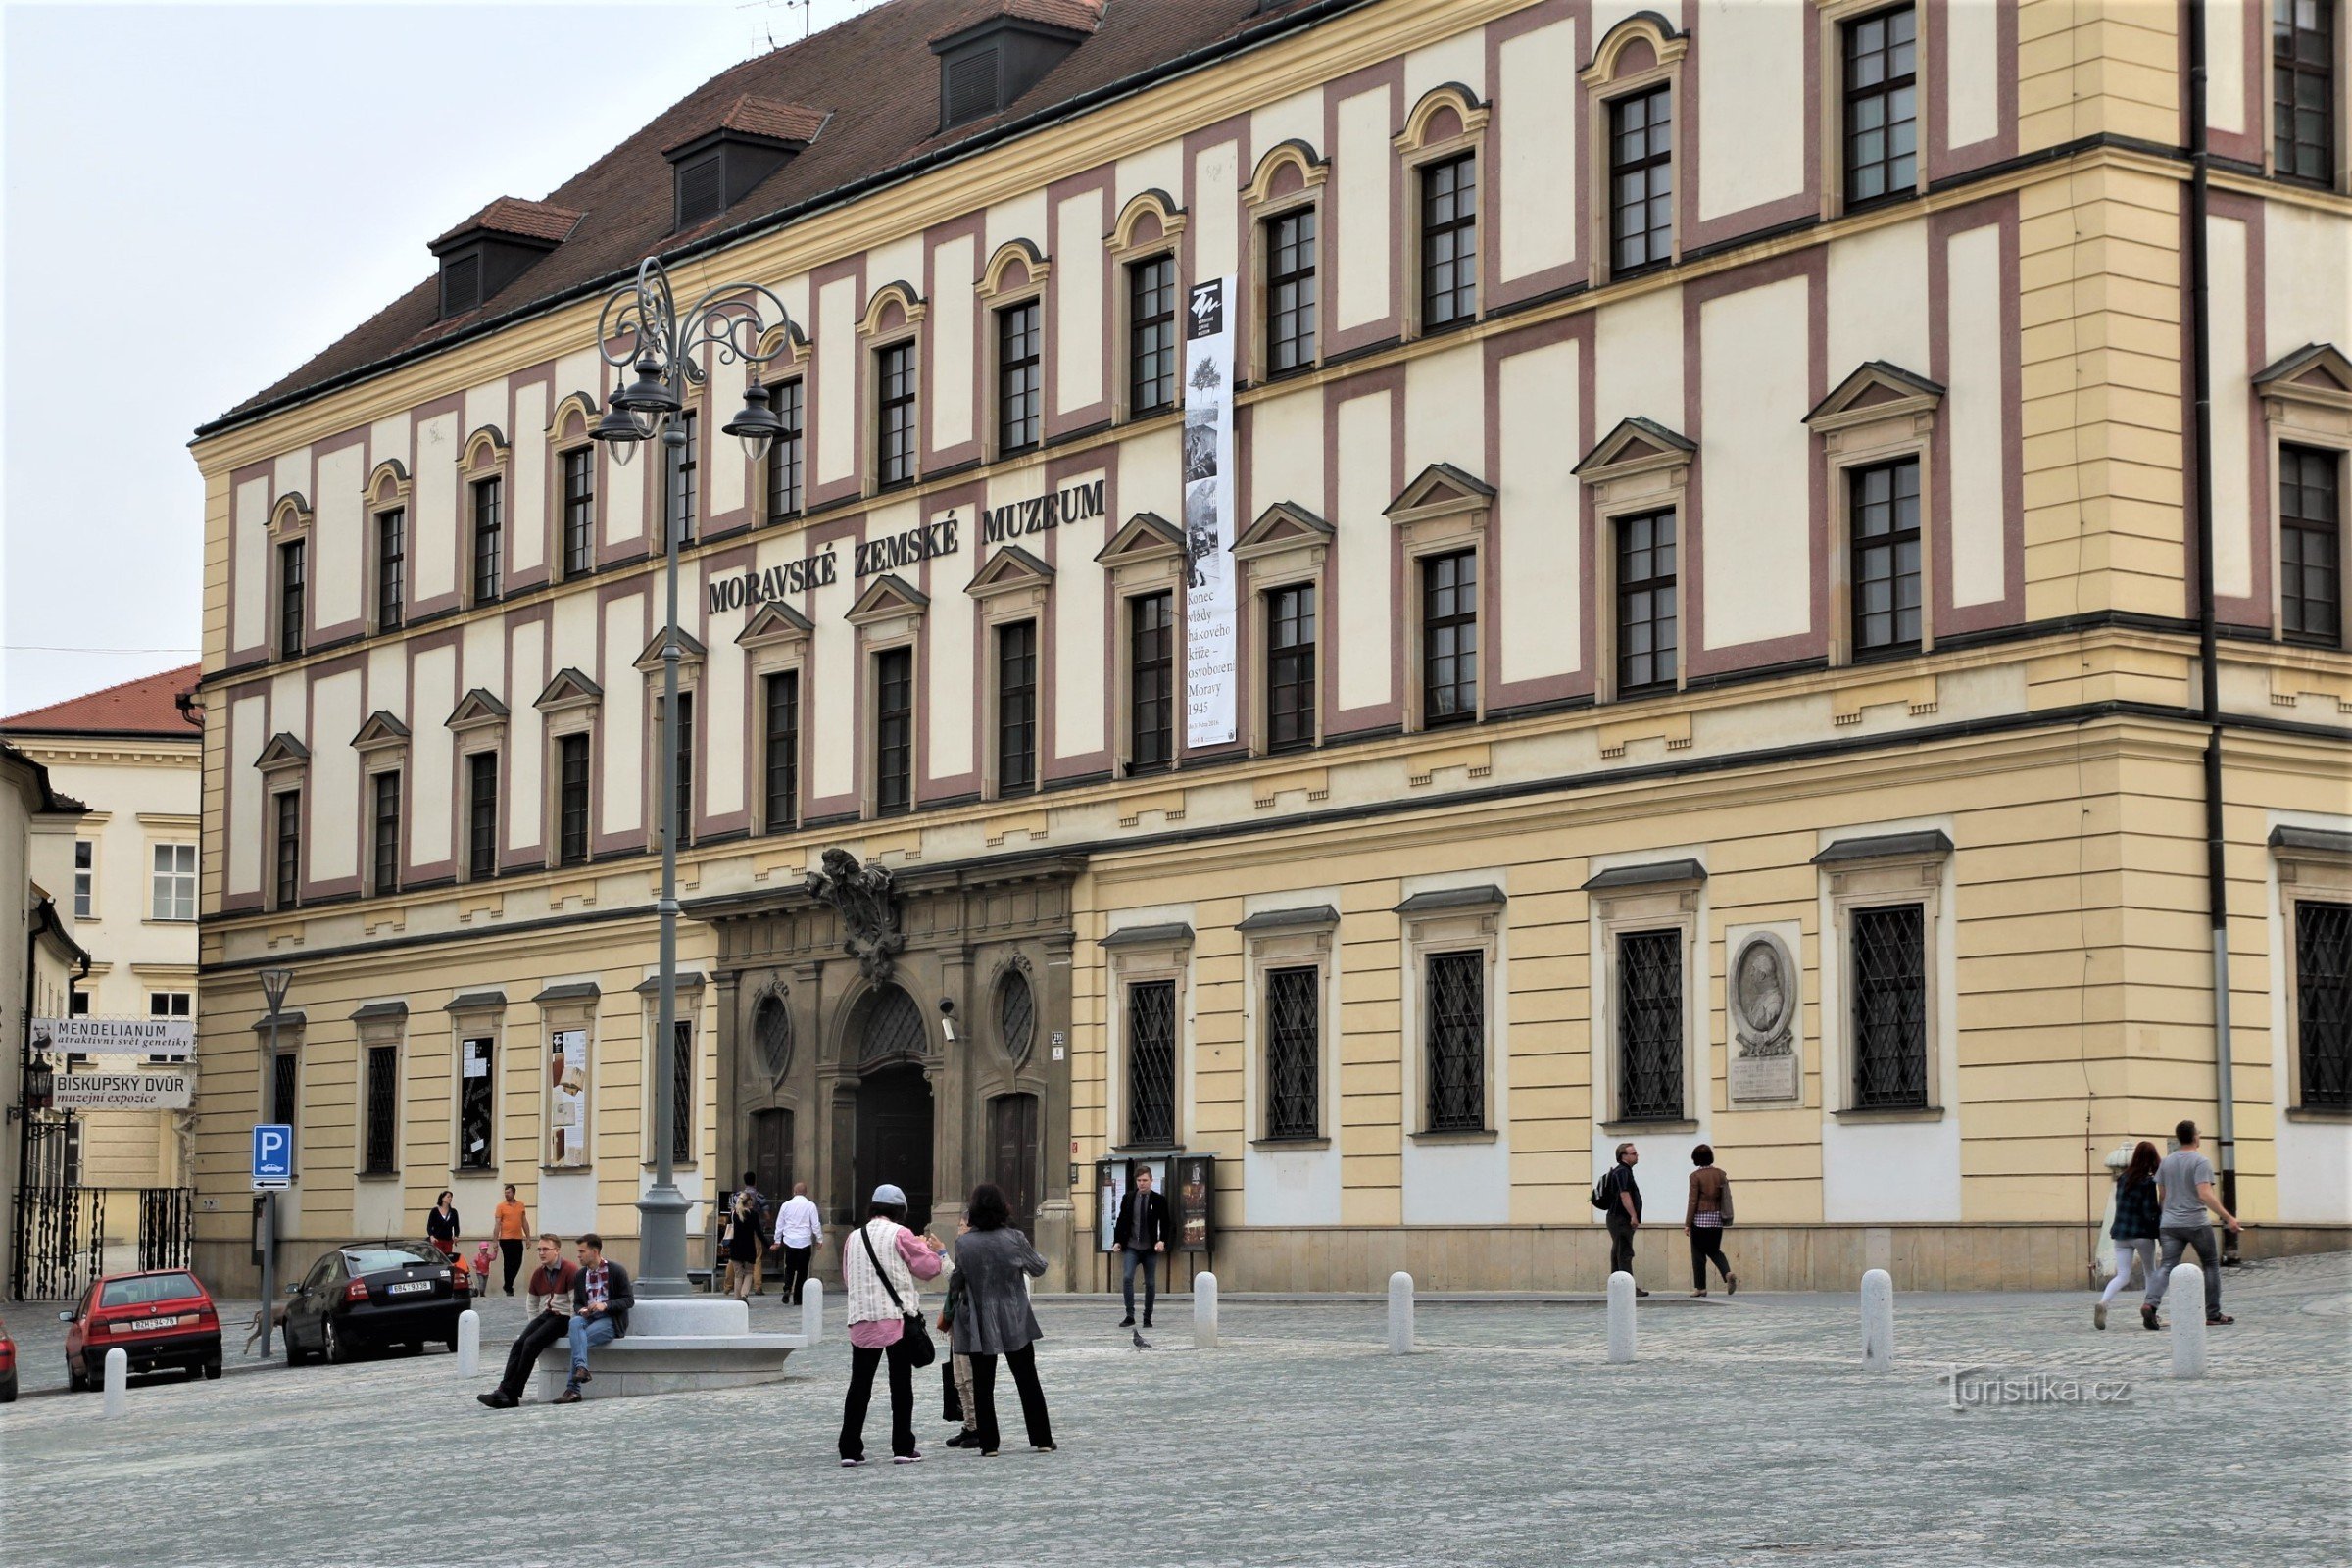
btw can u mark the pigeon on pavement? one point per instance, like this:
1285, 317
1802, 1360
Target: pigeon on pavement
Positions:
1141, 1343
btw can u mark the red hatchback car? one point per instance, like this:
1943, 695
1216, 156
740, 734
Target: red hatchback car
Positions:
161, 1318
8, 1367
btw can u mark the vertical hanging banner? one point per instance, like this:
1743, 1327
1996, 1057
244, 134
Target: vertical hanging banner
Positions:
1211, 647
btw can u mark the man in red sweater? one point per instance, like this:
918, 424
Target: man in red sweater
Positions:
550, 1288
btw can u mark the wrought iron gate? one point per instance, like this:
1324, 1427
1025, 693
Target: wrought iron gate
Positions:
62, 1243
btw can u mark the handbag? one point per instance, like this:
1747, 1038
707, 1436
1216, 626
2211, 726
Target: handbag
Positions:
917, 1337
1722, 1204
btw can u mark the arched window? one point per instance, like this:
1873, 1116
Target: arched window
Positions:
771, 1036
894, 1028
1016, 1016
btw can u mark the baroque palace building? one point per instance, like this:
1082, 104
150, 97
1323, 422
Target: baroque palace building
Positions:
1405, 592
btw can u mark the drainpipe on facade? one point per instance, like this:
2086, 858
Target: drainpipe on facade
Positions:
2217, 886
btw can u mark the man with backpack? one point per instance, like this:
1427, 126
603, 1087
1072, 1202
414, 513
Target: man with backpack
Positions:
1618, 1195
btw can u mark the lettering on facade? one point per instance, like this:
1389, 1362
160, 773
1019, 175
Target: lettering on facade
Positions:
1017, 519
894, 551
776, 582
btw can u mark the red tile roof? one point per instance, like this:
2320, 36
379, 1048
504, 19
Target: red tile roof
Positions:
142, 707
755, 116
511, 215
1079, 16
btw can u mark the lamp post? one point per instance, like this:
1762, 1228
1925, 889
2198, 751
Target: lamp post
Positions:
641, 331
275, 984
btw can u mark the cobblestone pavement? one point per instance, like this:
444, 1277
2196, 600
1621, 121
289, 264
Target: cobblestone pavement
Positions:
1747, 1434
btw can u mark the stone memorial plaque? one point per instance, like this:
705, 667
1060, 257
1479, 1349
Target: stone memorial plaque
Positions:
1765, 1065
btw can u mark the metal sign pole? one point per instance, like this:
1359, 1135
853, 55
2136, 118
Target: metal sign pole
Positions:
269, 1266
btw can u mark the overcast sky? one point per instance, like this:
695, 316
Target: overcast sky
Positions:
198, 198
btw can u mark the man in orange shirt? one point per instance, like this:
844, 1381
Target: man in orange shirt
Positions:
511, 1225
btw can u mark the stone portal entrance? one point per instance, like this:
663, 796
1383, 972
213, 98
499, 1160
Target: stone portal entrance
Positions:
893, 1139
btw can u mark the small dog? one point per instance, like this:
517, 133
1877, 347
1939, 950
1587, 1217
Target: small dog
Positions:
277, 1324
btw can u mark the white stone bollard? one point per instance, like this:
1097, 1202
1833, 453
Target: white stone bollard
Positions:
1878, 1321
1205, 1311
1621, 1317
117, 1375
2187, 1291
469, 1343
1400, 1314
813, 1312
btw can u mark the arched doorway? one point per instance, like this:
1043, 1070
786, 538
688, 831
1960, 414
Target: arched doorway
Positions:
892, 1139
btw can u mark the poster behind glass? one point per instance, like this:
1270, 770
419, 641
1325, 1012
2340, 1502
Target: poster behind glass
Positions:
1189, 1201
568, 1097
1113, 1178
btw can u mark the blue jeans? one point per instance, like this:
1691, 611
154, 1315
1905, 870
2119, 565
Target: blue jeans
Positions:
586, 1333
1130, 1261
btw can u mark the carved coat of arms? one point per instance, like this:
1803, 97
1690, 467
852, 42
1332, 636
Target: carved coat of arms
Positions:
868, 901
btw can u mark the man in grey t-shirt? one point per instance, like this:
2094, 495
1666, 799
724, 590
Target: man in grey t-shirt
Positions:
2185, 1186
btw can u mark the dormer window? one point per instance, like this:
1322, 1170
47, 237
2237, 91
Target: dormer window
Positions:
495, 246
985, 67
734, 150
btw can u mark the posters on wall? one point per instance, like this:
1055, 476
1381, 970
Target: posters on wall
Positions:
568, 1097
1209, 617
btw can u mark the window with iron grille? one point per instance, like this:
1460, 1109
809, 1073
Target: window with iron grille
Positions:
1890, 1007
289, 848
2324, 1003
283, 1082
290, 583
784, 453
391, 568
1450, 637
681, 1092
1290, 666
1294, 1053
682, 814
1020, 382
894, 730
1449, 242
1457, 983
1152, 335
782, 691
85, 878
384, 833
1884, 520
1289, 291
1016, 708
685, 477
1882, 106
2311, 583
2303, 90
1016, 1016
1151, 1062
894, 427
571, 800
1648, 638
1151, 679
477, 1090
383, 1109
579, 512
489, 539
1650, 1026
481, 816
1641, 181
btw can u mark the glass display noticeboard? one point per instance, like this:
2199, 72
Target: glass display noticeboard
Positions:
1189, 1182
1112, 1180
1189, 1201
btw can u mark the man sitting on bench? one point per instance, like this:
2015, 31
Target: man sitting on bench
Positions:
601, 1298
550, 1290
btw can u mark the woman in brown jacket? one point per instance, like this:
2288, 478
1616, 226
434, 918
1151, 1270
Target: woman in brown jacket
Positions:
1704, 1216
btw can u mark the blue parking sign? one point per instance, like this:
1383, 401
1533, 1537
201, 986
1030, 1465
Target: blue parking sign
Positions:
272, 1156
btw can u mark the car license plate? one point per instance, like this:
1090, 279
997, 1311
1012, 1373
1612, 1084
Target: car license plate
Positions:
409, 1287
138, 1323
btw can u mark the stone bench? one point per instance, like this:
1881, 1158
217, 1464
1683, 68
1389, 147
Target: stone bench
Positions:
676, 1347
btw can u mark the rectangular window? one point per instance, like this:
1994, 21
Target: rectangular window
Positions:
683, 819
1294, 1053
1457, 1042
169, 1005
1151, 679
1291, 291
1151, 1062
72, 1152
1884, 521
1152, 336
1290, 666
174, 882
2324, 1003
1648, 641
2303, 90
1650, 1026
391, 568
290, 583
85, 878
489, 539
2311, 583
481, 816
894, 424
784, 454
1449, 242
783, 756
894, 730
1450, 637
1881, 107
288, 848
571, 800
1890, 1007
579, 512
1020, 378
681, 1092
1016, 708
477, 1105
1641, 181
383, 1109
386, 833
682, 487
77, 1005
283, 1082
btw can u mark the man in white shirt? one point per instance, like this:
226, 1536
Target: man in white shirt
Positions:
800, 1231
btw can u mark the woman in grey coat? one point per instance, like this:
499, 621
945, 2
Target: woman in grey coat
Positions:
994, 1317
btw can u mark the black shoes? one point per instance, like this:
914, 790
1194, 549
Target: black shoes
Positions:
2147, 1318
570, 1396
499, 1400
1147, 1320
1128, 1321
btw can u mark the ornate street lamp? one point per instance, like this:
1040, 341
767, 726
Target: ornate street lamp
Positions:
640, 333
274, 985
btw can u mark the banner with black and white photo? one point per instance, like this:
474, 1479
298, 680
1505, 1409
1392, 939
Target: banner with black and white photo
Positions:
1210, 643
158, 1039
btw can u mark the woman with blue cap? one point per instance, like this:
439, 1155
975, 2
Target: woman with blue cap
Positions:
879, 1265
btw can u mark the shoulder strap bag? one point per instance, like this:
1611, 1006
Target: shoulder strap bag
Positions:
917, 1337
